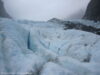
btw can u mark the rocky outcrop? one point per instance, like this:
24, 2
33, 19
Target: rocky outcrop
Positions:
3, 12
93, 11
78, 25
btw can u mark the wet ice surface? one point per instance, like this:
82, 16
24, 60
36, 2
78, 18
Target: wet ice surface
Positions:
42, 48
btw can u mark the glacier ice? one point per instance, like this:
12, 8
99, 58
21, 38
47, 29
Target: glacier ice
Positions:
41, 48
55, 69
14, 53
64, 42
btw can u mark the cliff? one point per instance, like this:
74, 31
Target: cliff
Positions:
3, 12
93, 11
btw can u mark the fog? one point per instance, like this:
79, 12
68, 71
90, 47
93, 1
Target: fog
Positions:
42, 10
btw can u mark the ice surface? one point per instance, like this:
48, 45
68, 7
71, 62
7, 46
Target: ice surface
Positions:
64, 42
79, 68
15, 58
55, 69
41, 48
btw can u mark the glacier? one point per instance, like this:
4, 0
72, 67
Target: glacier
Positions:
41, 48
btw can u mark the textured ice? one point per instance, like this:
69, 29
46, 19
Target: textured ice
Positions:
15, 57
55, 69
65, 42
79, 68
41, 48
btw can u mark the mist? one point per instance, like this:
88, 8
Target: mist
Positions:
43, 10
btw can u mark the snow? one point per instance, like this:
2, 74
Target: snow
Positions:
41, 48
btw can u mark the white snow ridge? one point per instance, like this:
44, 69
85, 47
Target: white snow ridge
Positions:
45, 48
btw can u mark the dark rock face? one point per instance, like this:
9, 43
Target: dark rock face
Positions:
93, 11
80, 26
3, 13
76, 25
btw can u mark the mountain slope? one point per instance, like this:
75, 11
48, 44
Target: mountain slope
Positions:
93, 10
3, 12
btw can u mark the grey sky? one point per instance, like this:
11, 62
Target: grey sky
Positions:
44, 9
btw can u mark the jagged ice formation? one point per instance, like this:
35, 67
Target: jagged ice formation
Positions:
41, 48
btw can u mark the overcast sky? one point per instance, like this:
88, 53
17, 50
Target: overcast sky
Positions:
41, 10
